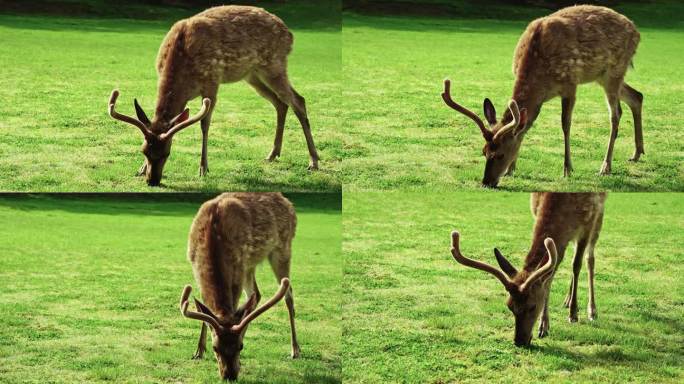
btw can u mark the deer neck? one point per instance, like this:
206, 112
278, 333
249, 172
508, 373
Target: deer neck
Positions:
549, 224
529, 95
170, 102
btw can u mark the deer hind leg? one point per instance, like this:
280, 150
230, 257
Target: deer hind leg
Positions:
580, 247
204, 124
280, 262
281, 86
281, 112
567, 104
612, 88
202, 343
634, 99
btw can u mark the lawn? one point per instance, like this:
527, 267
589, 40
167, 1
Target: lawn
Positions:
411, 314
400, 135
57, 73
90, 290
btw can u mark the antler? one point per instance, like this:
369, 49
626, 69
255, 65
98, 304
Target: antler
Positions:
206, 103
196, 315
284, 286
126, 119
513, 107
446, 96
553, 256
456, 252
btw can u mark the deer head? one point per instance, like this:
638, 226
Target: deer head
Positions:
228, 331
502, 140
158, 135
527, 289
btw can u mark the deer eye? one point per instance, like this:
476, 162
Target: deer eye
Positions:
241, 346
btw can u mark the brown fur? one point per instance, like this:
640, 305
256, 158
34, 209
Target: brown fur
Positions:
223, 44
555, 54
563, 218
230, 235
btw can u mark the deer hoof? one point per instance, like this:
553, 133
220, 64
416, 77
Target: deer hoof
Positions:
198, 355
605, 169
313, 166
203, 171
572, 318
592, 314
272, 157
295, 353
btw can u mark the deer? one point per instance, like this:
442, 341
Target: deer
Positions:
561, 218
224, 44
230, 235
556, 53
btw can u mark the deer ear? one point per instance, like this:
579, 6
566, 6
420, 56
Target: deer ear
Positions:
504, 264
489, 111
204, 309
141, 114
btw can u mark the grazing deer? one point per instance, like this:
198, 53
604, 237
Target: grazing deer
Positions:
556, 53
560, 218
229, 237
220, 45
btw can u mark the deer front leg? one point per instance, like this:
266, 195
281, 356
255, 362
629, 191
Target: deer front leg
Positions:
289, 301
202, 344
576, 268
544, 320
614, 107
142, 169
511, 168
209, 93
567, 104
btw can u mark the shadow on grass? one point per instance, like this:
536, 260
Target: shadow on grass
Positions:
99, 15
650, 14
149, 204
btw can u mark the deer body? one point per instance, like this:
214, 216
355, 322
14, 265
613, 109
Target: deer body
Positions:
561, 218
555, 54
229, 237
220, 45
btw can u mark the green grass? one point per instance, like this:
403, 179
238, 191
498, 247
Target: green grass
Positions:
90, 289
57, 74
400, 135
411, 314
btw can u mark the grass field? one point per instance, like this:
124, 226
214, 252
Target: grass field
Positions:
411, 314
57, 74
90, 290
400, 135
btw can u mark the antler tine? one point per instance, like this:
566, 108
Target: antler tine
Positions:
195, 315
515, 112
456, 252
284, 286
546, 268
446, 96
206, 104
126, 119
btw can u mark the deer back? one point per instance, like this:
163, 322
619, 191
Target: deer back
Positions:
575, 45
231, 234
